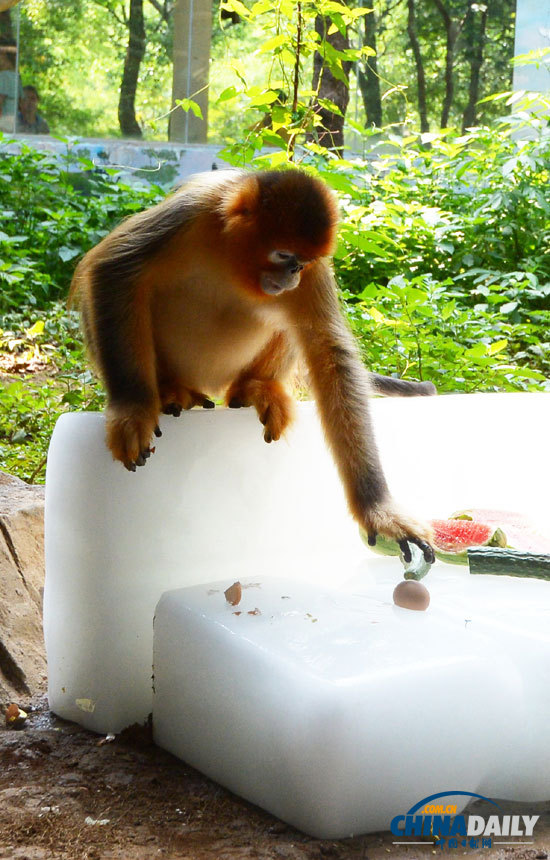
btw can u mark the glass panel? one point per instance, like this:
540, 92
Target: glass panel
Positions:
10, 81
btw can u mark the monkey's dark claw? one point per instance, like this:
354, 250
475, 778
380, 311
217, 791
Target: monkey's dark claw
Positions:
405, 549
172, 409
141, 460
371, 539
130, 466
208, 404
427, 550
158, 431
235, 403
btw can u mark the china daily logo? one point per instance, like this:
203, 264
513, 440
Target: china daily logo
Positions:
433, 818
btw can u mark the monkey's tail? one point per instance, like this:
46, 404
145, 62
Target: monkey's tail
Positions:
392, 386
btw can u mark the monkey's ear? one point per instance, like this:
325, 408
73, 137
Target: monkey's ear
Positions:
240, 204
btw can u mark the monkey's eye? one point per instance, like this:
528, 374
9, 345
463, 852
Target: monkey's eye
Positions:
279, 256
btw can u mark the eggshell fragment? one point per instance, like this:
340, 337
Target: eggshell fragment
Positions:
411, 594
234, 593
15, 717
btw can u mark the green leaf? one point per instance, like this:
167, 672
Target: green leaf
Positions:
508, 307
497, 346
227, 94
273, 43
190, 105
67, 253
35, 329
477, 351
273, 159
264, 98
366, 244
235, 6
330, 106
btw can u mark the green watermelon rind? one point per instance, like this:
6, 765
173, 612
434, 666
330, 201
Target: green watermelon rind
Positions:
383, 546
388, 547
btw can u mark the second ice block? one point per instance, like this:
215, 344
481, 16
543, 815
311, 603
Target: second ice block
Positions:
335, 711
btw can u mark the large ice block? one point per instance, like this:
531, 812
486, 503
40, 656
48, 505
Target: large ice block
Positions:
216, 501
213, 496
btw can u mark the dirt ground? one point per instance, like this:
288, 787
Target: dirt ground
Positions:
68, 794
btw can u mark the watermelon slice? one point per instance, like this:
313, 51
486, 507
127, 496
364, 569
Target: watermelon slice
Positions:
453, 537
521, 533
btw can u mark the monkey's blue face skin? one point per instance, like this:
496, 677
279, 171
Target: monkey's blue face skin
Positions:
284, 273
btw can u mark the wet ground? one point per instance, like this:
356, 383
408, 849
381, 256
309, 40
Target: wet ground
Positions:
68, 794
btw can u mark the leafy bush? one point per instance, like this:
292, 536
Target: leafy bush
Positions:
49, 375
52, 212
445, 257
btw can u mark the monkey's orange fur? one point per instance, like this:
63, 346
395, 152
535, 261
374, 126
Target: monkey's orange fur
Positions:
215, 292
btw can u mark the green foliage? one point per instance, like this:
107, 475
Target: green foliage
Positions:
417, 327
280, 109
396, 65
52, 212
444, 253
31, 405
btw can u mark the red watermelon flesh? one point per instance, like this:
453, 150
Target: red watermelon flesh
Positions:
521, 533
456, 535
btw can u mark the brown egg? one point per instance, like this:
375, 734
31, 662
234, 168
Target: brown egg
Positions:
410, 594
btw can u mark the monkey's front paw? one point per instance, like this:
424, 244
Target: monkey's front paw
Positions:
391, 523
129, 434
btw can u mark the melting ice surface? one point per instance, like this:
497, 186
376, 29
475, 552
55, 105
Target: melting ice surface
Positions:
331, 707
336, 710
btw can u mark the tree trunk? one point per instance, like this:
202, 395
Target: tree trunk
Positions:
451, 31
474, 52
420, 74
6, 26
369, 80
331, 132
134, 55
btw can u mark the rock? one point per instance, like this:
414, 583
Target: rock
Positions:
22, 655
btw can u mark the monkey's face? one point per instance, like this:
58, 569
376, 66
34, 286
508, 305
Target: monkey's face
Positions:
274, 223
283, 272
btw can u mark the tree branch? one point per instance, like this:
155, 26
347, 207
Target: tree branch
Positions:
164, 9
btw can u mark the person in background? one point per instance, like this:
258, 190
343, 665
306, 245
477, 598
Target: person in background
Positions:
29, 121
10, 86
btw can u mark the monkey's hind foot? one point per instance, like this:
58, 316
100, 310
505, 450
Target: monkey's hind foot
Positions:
130, 430
274, 406
390, 523
174, 398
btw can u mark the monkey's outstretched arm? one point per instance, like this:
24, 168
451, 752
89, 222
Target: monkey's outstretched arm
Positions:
341, 386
